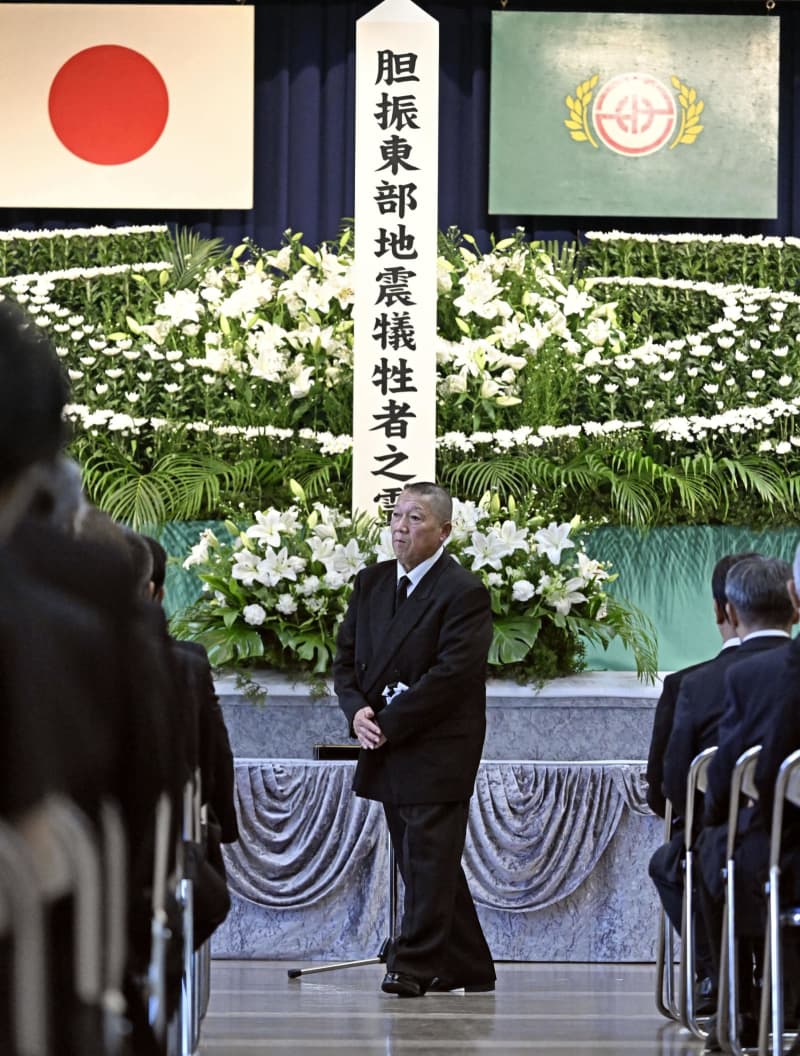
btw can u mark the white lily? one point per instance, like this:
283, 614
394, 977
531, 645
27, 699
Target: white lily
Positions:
553, 540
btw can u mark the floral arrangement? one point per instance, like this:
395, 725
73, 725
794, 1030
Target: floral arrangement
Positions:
653, 380
277, 588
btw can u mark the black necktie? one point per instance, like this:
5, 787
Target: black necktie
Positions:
401, 593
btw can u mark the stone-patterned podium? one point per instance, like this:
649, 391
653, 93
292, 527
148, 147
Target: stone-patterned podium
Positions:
557, 847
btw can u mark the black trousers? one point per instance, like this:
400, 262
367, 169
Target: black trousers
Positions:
440, 934
666, 872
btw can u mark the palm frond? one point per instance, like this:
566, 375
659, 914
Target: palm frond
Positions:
191, 256
178, 487
758, 474
504, 476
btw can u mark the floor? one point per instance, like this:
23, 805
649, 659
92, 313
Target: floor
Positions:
594, 1009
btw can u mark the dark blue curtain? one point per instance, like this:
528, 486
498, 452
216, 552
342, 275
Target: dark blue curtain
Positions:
304, 138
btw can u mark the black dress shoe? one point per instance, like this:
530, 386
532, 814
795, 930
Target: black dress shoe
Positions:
712, 1041
705, 997
402, 984
445, 986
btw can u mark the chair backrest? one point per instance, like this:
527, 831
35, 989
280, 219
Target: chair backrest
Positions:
24, 923
792, 790
79, 843
697, 781
787, 787
742, 784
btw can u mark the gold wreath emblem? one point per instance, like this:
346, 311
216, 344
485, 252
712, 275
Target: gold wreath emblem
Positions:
578, 120
691, 109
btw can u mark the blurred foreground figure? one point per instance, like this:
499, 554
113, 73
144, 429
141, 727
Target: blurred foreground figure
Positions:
85, 676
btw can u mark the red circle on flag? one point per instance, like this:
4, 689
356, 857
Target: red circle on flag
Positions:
108, 104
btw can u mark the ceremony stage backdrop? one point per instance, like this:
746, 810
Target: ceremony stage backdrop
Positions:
304, 139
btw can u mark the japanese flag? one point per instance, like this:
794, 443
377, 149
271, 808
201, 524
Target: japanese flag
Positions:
136, 106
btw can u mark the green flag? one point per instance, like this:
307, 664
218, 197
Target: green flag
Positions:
634, 115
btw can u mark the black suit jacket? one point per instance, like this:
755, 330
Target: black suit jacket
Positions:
437, 644
782, 740
752, 699
662, 728
209, 746
698, 709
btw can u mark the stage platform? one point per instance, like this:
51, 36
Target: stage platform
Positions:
558, 842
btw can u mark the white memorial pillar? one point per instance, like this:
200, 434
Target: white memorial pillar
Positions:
396, 229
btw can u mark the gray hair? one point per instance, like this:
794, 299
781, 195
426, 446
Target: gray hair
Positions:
757, 589
438, 497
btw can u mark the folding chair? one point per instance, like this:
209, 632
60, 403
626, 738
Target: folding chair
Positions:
188, 1010
665, 948
696, 783
160, 933
115, 881
787, 788
203, 955
78, 843
22, 920
742, 784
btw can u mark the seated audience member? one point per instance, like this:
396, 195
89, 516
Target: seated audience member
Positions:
665, 708
698, 706
764, 612
104, 571
56, 666
781, 741
209, 750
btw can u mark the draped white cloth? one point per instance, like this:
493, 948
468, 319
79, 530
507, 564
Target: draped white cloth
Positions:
536, 830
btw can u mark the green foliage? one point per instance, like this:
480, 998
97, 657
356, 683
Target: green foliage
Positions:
28, 253
758, 261
177, 487
632, 487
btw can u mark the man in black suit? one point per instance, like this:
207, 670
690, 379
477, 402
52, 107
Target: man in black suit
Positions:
782, 740
696, 696
410, 673
665, 708
764, 612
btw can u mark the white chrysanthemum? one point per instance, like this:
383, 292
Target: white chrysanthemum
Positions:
308, 586
523, 590
286, 604
254, 615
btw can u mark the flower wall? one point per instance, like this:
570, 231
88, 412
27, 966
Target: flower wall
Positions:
628, 380
615, 378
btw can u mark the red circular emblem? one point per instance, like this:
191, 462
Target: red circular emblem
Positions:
634, 114
108, 104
